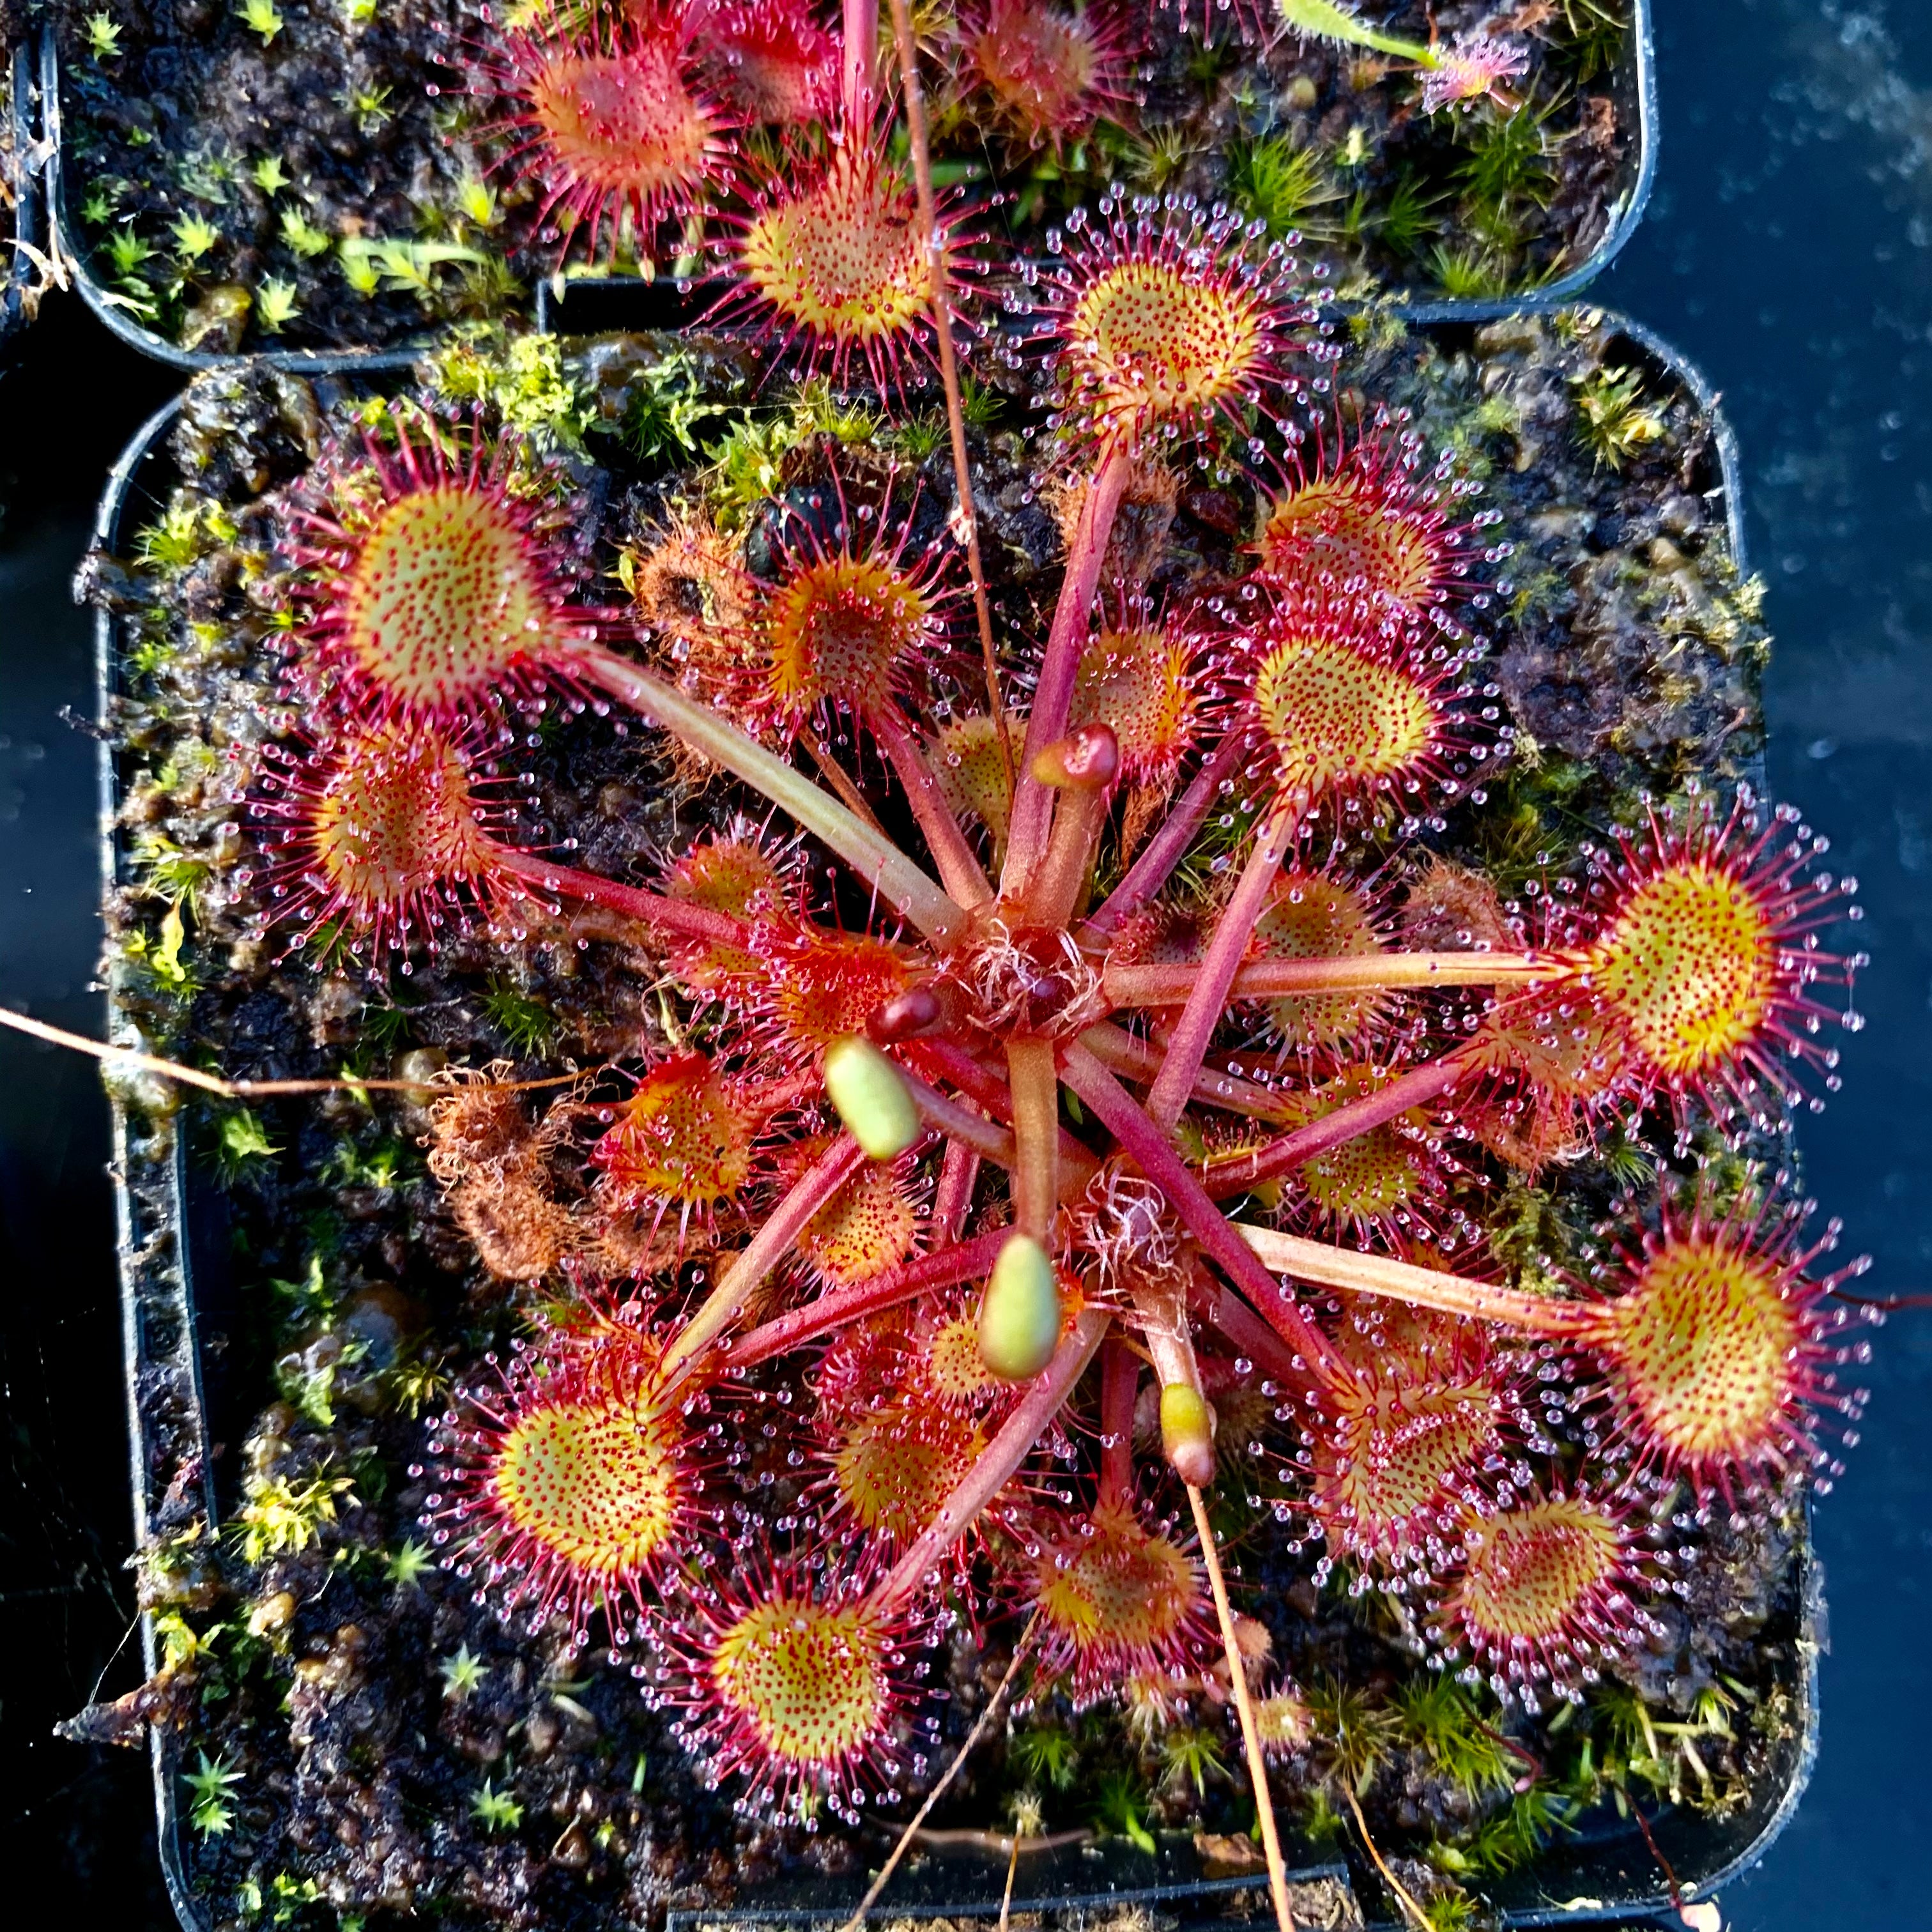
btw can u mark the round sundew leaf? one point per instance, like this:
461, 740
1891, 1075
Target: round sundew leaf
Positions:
869, 1227
839, 258
727, 875
1703, 1345
1398, 1450
825, 988
1152, 341
1048, 73
768, 58
1310, 915
895, 1467
1140, 683
1339, 717
956, 1369
1689, 965
839, 629
1114, 1595
1341, 530
444, 596
685, 1137
622, 126
809, 1683
1539, 1573
393, 818
967, 759
596, 1486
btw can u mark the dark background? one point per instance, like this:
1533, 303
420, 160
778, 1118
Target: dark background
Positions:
1789, 250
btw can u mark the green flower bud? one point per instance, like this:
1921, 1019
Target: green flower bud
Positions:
867, 1093
1187, 1433
1019, 1314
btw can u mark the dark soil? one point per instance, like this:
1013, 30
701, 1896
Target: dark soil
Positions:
336, 1296
281, 149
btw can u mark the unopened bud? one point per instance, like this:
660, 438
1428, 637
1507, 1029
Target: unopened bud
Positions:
1019, 1313
872, 1099
1187, 1433
906, 1014
1083, 760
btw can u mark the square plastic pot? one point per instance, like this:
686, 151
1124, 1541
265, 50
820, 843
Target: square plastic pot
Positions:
176, 1287
588, 304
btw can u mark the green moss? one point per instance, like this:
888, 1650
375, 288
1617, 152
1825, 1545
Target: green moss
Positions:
1278, 181
669, 408
1441, 1719
523, 378
528, 1027
1354, 1734
1616, 419
242, 1141
1120, 1809
1592, 33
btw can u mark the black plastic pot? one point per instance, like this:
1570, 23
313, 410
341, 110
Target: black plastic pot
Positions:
116, 320
175, 1281
589, 303
24, 158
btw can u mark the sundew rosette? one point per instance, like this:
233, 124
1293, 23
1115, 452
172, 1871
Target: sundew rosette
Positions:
949, 1096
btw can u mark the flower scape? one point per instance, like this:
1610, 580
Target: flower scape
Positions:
1211, 1159
353, 174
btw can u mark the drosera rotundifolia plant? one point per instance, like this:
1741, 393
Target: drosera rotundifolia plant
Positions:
1106, 1071
356, 174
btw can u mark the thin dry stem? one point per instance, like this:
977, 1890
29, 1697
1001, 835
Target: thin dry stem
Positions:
946, 1778
1012, 1871
1244, 1709
239, 1089
1404, 1896
948, 366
